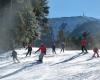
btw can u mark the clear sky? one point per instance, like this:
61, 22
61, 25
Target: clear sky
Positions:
66, 8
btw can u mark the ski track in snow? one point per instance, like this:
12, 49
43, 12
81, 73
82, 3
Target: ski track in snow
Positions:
70, 65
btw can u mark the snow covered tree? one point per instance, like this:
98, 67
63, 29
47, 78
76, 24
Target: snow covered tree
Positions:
41, 12
28, 25
21, 21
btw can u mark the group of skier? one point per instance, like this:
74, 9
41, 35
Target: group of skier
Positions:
43, 49
84, 44
54, 47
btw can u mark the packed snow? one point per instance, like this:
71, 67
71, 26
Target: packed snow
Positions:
70, 65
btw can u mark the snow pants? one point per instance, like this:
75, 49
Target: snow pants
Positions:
29, 52
15, 58
62, 49
53, 51
95, 54
84, 48
41, 56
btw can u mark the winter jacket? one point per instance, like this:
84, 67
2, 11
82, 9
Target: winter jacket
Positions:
95, 50
14, 54
29, 48
42, 49
83, 42
62, 45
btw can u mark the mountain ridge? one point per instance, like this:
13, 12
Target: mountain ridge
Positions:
71, 23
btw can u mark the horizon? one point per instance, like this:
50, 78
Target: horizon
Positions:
72, 16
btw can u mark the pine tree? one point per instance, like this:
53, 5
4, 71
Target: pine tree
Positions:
28, 28
41, 13
29, 19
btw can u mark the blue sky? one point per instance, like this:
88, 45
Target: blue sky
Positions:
66, 8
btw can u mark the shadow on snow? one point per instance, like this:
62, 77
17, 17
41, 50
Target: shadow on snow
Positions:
10, 74
73, 57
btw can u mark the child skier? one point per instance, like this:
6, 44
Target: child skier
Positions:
43, 52
96, 51
29, 50
53, 48
83, 45
62, 47
14, 55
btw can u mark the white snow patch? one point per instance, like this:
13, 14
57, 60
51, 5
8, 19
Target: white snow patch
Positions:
70, 65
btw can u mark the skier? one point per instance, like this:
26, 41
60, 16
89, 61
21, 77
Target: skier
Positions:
53, 48
43, 52
29, 50
96, 51
83, 45
62, 47
14, 55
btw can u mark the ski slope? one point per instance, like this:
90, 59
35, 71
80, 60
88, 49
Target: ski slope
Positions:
70, 65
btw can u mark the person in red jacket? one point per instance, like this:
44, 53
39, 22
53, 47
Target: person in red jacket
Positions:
83, 45
96, 51
43, 52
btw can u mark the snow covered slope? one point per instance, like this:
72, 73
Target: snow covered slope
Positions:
71, 65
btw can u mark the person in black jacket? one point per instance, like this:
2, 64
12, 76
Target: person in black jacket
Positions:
62, 47
53, 48
14, 55
29, 50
